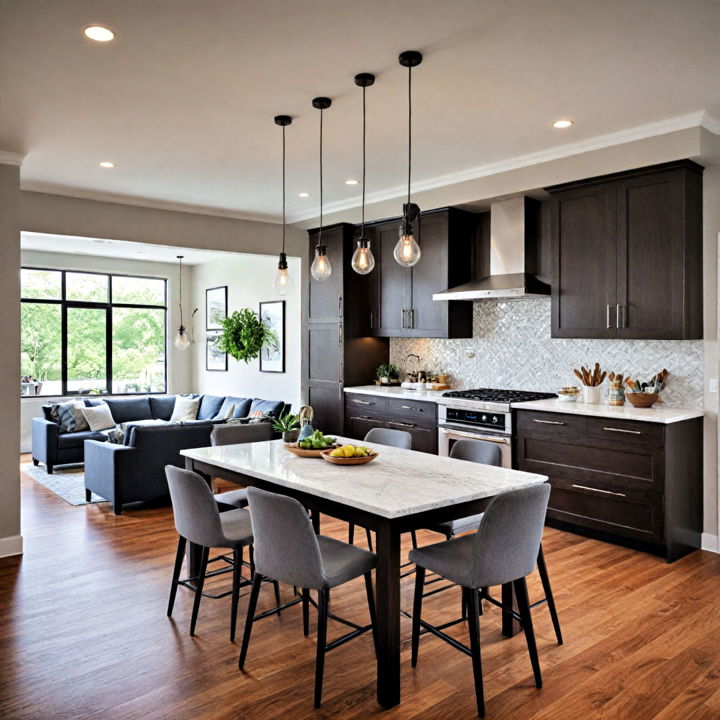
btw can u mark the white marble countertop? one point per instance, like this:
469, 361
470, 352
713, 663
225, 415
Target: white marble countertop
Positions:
657, 413
395, 484
395, 391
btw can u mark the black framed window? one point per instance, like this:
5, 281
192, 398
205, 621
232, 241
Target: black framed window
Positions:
87, 333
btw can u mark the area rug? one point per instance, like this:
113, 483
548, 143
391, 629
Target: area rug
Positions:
67, 482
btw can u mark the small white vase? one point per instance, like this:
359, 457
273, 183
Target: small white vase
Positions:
591, 394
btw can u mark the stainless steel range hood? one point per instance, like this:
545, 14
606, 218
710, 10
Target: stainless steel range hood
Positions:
513, 247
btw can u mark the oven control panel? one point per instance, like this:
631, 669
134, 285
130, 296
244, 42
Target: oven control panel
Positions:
478, 418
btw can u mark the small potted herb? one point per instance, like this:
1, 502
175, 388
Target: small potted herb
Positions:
289, 426
387, 374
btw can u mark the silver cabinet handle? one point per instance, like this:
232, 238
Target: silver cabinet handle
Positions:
629, 432
340, 334
372, 320
410, 407
340, 306
607, 315
411, 313
618, 309
402, 319
598, 490
362, 402
401, 424
549, 422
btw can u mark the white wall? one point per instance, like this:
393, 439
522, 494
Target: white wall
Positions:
249, 281
179, 363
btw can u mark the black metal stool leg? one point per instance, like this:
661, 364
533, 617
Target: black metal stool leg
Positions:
544, 578
199, 588
237, 570
180, 555
321, 644
252, 603
524, 607
277, 595
368, 535
417, 609
306, 611
351, 533
413, 537
473, 611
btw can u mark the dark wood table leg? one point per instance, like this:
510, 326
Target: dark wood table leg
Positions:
387, 580
510, 625
194, 552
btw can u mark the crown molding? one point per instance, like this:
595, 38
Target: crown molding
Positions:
150, 203
11, 158
640, 132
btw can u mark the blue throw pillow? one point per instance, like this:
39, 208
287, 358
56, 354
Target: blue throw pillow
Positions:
271, 408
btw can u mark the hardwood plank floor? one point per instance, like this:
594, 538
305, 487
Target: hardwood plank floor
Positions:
83, 635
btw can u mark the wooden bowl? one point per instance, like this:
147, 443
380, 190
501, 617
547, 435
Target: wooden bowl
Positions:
642, 400
325, 454
295, 449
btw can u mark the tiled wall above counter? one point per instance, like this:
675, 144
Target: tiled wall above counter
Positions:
513, 349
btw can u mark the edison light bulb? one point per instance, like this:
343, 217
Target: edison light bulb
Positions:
362, 260
407, 251
182, 341
321, 267
282, 282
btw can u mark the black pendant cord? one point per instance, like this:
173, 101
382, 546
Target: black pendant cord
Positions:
362, 227
321, 177
180, 258
283, 190
409, 130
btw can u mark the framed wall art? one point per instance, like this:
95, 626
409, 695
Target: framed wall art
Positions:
272, 354
215, 359
215, 307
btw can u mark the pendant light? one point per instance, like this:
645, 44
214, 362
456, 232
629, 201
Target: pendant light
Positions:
363, 261
407, 251
321, 268
282, 283
182, 341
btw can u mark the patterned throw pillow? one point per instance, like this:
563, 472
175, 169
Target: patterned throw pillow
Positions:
55, 413
72, 418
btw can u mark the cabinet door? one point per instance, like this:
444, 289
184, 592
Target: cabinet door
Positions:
357, 427
394, 284
325, 296
324, 352
650, 298
326, 401
584, 263
429, 318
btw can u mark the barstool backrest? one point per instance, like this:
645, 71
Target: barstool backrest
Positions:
508, 540
393, 438
286, 547
477, 451
196, 513
234, 434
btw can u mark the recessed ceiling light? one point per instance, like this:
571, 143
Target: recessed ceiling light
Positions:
303, 194
106, 164
351, 182
98, 33
562, 124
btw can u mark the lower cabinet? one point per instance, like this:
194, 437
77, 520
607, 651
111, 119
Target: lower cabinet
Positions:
635, 480
365, 412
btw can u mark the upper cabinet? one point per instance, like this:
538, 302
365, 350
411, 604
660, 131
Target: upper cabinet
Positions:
405, 307
627, 255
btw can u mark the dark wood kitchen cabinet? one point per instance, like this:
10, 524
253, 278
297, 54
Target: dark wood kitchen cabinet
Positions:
406, 307
337, 347
627, 254
640, 481
419, 418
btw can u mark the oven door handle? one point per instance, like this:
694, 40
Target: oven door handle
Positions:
476, 436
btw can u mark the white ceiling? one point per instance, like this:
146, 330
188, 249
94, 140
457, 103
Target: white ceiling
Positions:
183, 99
143, 252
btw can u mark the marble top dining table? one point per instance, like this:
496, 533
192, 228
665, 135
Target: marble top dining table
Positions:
399, 491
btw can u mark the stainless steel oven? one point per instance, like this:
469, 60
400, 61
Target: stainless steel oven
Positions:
460, 423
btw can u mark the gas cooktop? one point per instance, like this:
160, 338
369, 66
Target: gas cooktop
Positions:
489, 395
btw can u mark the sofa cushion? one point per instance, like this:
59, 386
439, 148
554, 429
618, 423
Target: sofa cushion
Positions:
209, 406
99, 417
242, 406
71, 417
186, 408
47, 413
126, 409
162, 406
126, 436
76, 439
272, 408
89, 402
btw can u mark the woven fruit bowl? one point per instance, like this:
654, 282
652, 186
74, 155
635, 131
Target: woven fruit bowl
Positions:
325, 454
642, 400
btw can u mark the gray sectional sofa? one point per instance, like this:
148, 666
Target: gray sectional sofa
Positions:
134, 470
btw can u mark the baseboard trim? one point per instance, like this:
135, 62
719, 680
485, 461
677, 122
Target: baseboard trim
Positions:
12, 545
710, 542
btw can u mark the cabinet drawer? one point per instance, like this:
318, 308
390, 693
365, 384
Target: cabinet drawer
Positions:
358, 426
365, 404
626, 431
624, 516
531, 422
424, 439
412, 410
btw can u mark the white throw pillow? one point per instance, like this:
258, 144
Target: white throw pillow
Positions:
99, 417
226, 415
186, 408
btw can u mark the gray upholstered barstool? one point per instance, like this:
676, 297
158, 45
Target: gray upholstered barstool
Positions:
392, 438
504, 549
287, 549
235, 434
488, 453
198, 520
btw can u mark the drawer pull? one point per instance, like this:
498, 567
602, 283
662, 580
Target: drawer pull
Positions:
549, 422
401, 424
629, 432
597, 490
410, 407
362, 402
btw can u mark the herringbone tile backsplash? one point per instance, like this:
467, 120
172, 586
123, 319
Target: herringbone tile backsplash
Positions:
513, 350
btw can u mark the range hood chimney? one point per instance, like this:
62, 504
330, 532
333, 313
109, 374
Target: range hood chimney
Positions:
513, 248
